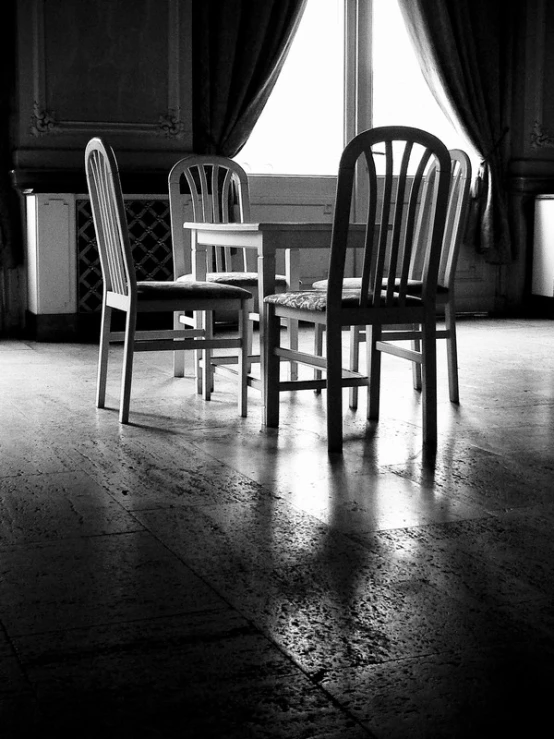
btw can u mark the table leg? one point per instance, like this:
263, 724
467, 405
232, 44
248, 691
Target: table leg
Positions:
199, 255
266, 286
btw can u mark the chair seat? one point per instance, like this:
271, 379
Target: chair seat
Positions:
316, 300
354, 283
160, 290
241, 279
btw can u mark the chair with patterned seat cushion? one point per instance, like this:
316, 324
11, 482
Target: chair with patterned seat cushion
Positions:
122, 292
390, 165
456, 222
217, 190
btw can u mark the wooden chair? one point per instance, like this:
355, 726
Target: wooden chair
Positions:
123, 293
217, 190
402, 203
456, 222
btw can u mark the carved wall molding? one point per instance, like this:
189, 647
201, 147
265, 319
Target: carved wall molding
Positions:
42, 121
171, 125
541, 137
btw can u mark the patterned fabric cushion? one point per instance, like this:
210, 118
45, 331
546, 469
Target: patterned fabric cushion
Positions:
354, 283
160, 290
316, 300
242, 279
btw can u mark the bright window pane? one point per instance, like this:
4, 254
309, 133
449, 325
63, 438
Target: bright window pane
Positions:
400, 94
300, 130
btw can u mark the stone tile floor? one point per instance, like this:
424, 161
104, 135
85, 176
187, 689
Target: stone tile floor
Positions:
192, 575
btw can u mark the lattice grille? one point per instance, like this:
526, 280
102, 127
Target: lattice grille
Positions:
150, 232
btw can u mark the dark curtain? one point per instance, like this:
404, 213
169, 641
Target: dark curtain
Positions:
11, 249
465, 52
239, 47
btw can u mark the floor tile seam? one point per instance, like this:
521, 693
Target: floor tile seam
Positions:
119, 622
193, 567
143, 647
77, 470
51, 543
467, 549
477, 603
436, 572
343, 708
31, 690
421, 526
235, 469
414, 658
68, 538
475, 495
103, 468
39, 474
96, 477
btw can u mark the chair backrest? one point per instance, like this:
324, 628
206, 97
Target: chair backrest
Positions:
218, 192
456, 220
110, 221
457, 215
405, 208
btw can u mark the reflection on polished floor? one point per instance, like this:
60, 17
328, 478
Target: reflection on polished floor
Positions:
191, 575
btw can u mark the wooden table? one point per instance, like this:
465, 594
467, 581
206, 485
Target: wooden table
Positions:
266, 238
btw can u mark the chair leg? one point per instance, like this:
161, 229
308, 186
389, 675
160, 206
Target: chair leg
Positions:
452, 352
103, 356
292, 332
355, 334
245, 334
373, 334
207, 379
199, 319
334, 389
429, 371
178, 356
127, 371
416, 367
318, 350
249, 333
271, 368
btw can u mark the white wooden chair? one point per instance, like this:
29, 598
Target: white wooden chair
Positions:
217, 190
401, 203
456, 222
122, 291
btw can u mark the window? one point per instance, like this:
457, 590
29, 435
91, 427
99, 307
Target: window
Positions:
400, 93
301, 130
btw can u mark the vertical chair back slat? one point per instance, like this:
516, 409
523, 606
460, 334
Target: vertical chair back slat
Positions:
398, 243
370, 233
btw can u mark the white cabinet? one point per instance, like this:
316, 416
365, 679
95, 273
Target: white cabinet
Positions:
543, 247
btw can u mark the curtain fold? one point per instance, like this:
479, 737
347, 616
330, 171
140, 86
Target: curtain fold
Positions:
11, 247
239, 47
465, 49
